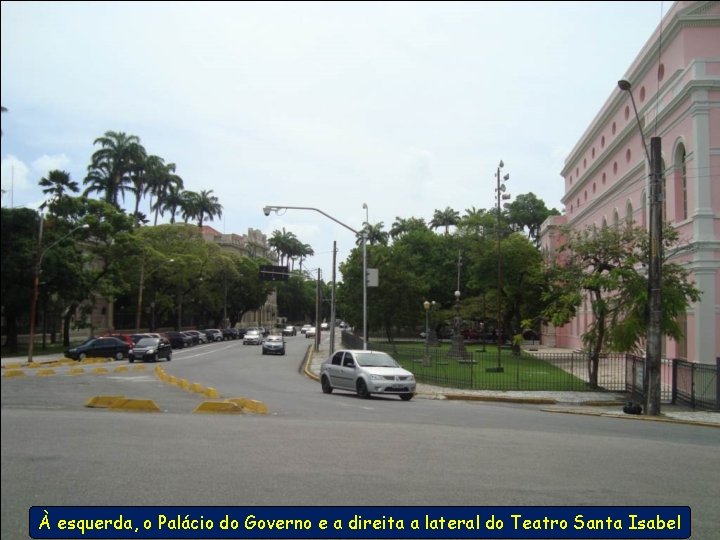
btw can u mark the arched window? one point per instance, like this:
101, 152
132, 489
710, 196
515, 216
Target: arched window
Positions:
681, 183
616, 218
629, 213
643, 208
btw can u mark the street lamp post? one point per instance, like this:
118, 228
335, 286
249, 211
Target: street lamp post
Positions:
268, 209
426, 305
501, 195
651, 381
36, 278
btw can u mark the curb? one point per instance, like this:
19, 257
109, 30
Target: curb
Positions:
641, 417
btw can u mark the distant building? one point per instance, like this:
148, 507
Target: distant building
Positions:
252, 244
676, 85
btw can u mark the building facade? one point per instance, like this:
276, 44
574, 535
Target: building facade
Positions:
676, 87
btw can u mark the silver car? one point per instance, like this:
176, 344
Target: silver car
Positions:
366, 373
252, 337
273, 345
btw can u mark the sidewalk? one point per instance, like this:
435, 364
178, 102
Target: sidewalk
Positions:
588, 403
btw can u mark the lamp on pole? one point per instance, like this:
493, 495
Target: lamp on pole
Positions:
651, 381
36, 278
365, 275
268, 209
427, 305
501, 196
140, 291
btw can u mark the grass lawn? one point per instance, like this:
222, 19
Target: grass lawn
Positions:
523, 372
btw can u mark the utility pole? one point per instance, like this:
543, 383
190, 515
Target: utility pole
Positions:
654, 331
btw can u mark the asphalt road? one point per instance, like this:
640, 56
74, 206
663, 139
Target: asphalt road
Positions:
328, 450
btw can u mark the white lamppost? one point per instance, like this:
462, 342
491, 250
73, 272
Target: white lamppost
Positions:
268, 209
36, 279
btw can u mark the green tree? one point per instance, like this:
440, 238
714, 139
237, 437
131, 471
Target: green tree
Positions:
207, 207
445, 218
58, 184
111, 166
609, 267
527, 213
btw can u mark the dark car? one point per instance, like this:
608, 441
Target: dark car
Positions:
177, 340
230, 333
100, 347
151, 349
213, 334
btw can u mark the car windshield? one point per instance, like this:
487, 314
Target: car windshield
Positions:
274, 338
148, 342
375, 359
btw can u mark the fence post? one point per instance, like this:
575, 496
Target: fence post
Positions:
674, 380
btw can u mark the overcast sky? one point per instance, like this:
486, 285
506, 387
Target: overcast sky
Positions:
405, 106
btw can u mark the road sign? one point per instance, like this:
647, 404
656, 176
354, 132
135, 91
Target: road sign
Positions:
274, 273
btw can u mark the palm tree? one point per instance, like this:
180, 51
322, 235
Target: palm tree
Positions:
207, 206
111, 166
282, 243
171, 201
403, 226
189, 205
163, 183
58, 183
374, 233
445, 218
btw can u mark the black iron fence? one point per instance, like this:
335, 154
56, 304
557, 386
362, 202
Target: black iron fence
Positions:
482, 368
696, 385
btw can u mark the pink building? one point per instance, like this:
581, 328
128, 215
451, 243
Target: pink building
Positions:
676, 85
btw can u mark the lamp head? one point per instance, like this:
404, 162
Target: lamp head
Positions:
426, 305
266, 210
457, 295
506, 177
624, 85
501, 165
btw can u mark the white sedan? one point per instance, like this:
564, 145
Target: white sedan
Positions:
366, 373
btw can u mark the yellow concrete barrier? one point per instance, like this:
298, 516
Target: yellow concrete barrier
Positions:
14, 373
173, 380
139, 367
13, 365
197, 388
224, 407
77, 370
184, 384
102, 402
212, 393
121, 369
45, 372
249, 405
100, 370
134, 404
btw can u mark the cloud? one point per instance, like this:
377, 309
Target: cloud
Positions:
14, 175
44, 164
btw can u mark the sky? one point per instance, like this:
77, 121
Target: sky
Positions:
406, 107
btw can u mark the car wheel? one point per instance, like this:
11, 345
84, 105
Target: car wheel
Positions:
263, 352
406, 397
326, 387
119, 356
169, 357
82, 356
362, 390
131, 359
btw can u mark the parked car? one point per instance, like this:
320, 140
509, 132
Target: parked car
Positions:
310, 332
289, 331
189, 338
273, 345
100, 347
137, 337
366, 373
151, 349
198, 337
305, 328
230, 333
213, 334
252, 337
127, 338
241, 332
177, 340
